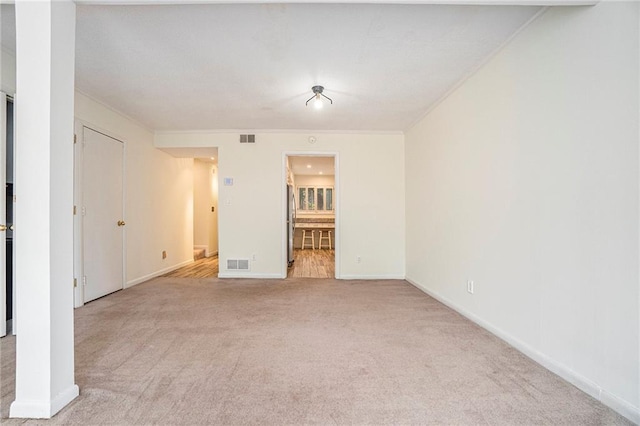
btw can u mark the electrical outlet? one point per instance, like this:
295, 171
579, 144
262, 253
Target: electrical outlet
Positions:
470, 286
358, 259
164, 254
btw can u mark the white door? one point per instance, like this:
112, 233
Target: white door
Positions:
3, 214
102, 214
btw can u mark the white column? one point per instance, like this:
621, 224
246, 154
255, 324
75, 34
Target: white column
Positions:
45, 53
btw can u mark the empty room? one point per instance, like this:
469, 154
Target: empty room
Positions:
292, 212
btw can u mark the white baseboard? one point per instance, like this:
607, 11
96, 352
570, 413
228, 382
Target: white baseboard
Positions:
211, 253
371, 277
591, 388
157, 273
621, 406
43, 409
245, 274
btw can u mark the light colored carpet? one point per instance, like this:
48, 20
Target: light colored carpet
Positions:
300, 351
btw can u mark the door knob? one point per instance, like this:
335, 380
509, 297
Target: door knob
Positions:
10, 227
121, 223
3, 228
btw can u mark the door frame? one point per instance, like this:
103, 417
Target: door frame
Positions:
78, 233
7, 326
12, 326
3, 241
336, 203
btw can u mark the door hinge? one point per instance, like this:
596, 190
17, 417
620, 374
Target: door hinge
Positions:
84, 280
75, 210
75, 282
75, 138
83, 211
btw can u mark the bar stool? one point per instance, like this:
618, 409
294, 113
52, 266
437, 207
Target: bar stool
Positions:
308, 238
323, 238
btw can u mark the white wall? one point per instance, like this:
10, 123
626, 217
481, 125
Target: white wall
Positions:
201, 201
370, 195
205, 232
525, 179
7, 71
158, 195
213, 228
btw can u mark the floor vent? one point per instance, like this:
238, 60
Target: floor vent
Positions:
238, 264
247, 138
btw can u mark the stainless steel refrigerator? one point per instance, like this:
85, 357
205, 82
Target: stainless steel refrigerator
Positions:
291, 222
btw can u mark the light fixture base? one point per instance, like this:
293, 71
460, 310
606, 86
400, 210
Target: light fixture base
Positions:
317, 92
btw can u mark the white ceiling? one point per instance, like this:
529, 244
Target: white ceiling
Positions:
312, 165
251, 66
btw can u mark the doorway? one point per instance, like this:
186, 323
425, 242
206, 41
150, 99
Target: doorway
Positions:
311, 188
204, 205
205, 221
7, 283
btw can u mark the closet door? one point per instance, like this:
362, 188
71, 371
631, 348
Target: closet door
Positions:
102, 214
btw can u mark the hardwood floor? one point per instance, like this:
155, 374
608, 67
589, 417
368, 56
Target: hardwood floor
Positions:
201, 268
308, 264
313, 264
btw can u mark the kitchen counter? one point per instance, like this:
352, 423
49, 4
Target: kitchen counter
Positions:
315, 225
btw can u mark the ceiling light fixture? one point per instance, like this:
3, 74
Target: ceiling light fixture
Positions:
317, 97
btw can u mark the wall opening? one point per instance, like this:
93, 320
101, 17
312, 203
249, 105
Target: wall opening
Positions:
310, 216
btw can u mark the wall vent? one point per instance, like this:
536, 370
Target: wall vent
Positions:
237, 264
247, 138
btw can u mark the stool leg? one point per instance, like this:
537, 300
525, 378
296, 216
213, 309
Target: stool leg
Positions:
324, 238
304, 235
313, 243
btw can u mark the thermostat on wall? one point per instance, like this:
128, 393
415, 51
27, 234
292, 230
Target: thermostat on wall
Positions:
228, 181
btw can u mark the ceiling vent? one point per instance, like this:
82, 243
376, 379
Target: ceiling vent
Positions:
238, 264
247, 138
